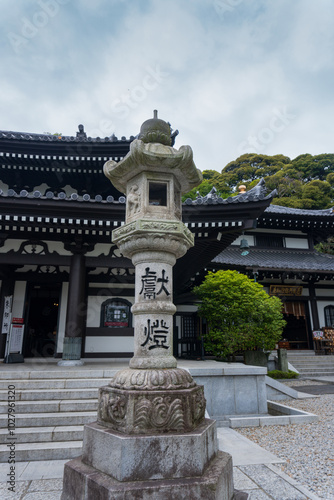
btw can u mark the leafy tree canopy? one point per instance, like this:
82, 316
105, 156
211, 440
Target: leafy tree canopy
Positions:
305, 182
240, 314
326, 246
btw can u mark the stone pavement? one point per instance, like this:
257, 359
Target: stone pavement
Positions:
328, 379
327, 386
256, 472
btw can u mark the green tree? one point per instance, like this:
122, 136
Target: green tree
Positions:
330, 179
305, 182
313, 167
252, 167
203, 189
318, 192
326, 246
240, 314
210, 174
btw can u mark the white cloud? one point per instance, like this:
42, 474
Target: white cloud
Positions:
218, 78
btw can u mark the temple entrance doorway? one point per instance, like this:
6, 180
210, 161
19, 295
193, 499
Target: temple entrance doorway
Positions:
188, 342
42, 320
296, 331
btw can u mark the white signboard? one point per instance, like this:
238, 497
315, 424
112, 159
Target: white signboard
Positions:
16, 338
7, 314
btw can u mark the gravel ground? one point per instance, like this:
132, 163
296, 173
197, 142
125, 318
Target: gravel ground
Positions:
308, 449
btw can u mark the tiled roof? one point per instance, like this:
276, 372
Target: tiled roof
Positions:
257, 193
277, 259
49, 195
80, 137
276, 209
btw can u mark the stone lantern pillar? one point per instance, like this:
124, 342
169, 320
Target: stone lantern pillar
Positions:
151, 439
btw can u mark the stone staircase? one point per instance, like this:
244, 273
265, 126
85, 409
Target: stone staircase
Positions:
51, 408
311, 365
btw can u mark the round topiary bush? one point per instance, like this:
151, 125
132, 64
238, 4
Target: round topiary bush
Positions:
241, 316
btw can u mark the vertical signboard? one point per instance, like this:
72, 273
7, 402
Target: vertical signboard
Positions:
15, 342
7, 314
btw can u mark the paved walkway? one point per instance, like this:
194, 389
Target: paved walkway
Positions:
256, 471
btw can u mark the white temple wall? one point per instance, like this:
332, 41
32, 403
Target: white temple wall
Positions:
62, 317
94, 304
186, 308
19, 299
321, 310
321, 292
109, 344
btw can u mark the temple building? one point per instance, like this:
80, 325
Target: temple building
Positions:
281, 256
66, 291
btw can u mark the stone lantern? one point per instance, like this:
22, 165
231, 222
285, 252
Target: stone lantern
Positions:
153, 175
151, 438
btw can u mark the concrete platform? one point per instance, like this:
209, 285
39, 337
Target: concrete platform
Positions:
254, 472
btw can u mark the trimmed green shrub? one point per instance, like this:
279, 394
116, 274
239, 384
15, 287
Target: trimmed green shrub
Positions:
240, 315
277, 374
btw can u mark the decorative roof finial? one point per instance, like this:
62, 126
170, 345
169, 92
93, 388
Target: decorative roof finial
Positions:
155, 130
81, 132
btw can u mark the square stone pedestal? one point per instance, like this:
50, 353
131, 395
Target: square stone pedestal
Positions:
83, 482
146, 457
174, 466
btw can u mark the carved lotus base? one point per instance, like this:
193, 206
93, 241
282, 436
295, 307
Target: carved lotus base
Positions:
151, 411
153, 379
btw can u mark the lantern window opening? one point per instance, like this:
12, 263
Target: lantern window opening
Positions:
157, 193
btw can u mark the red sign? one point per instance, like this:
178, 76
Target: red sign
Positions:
17, 321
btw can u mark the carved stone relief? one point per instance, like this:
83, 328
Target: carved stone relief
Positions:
146, 411
133, 201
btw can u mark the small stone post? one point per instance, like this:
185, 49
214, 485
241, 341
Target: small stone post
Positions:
282, 362
151, 439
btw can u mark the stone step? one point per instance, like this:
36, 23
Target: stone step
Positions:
56, 374
54, 384
301, 353
50, 394
49, 419
314, 369
316, 359
315, 374
44, 434
322, 363
26, 452
51, 406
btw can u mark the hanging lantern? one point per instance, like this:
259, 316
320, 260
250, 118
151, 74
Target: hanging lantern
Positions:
244, 247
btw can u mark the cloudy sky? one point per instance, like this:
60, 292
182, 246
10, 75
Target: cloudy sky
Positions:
233, 76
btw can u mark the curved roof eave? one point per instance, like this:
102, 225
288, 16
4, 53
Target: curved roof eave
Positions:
292, 260
277, 209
